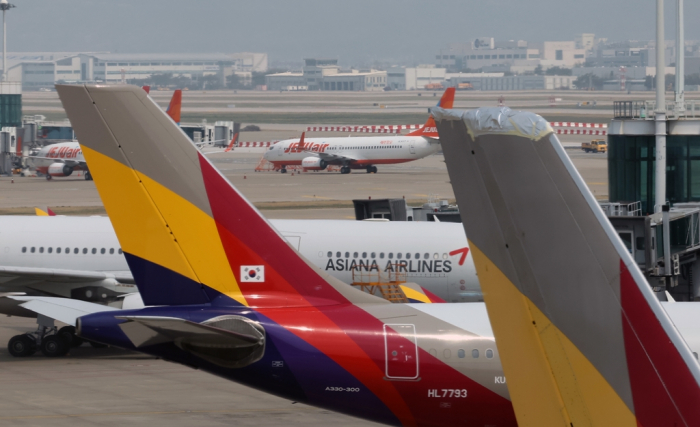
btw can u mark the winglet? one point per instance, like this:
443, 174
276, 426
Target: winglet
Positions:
232, 143
429, 129
175, 106
146, 89
582, 338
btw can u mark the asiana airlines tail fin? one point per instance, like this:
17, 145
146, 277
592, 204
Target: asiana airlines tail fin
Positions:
582, 338
188, 235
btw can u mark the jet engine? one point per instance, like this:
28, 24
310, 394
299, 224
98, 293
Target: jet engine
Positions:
314, 163
60, 169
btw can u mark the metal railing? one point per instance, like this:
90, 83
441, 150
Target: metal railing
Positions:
646, 110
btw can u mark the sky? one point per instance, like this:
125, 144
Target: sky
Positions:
404, 32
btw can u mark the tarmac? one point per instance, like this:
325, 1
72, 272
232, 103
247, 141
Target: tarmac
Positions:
112, 387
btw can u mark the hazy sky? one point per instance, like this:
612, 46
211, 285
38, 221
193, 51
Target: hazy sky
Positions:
354, 31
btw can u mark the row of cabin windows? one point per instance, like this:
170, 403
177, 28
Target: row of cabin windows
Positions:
50, 250
368, 147
461, 353
389, 255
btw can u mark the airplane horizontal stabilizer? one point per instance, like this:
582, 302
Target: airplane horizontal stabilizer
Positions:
582, 338
230, 341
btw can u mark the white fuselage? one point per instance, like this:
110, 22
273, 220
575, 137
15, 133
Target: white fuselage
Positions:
358, 151
421, 249
69, 152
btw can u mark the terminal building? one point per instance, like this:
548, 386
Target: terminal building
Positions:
326, 75
37, 70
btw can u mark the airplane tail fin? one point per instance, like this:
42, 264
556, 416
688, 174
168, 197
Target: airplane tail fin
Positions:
146, 89
429, 129
188, 235
40, 212
232, 143
582, 338
175, 106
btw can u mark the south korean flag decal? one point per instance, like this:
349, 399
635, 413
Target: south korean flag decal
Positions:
253, 273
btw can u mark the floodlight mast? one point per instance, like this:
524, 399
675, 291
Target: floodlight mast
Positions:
660, 119
4, 6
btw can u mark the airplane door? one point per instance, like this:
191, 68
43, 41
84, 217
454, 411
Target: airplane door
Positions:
412, 148
401, 351
295, 241
280, 150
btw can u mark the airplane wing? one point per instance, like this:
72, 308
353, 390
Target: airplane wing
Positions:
8, 273
64, 310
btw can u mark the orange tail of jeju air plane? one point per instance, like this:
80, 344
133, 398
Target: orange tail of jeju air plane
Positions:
429, 129
175, 106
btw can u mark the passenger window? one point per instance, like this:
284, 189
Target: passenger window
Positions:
41, 250
76, 250
489, 353
447, 353
436, 256
425, 255
390, 255
330, 254
32, 250
354, 255
49, 250
24, 249
364, 254
67, 250
381, 255
444, 256
58, 250
433, 352
460, 353
102, 251
374, 255
84, 250
120, 251
111, 251
398, 255
347, 254
408, 255
337, 254
475, 354
94, 251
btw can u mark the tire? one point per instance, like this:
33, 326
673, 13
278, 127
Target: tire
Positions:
21, 346
88, 176
48, 177
67, 333
345, 170
54, 346
283, 170
374, 169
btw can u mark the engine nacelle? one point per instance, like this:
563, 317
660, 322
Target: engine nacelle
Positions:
313, 163
60, 169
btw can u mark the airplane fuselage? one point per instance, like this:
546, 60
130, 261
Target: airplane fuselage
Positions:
355, 152
64, 152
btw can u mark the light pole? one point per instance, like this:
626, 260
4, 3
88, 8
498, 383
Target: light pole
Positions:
4, 6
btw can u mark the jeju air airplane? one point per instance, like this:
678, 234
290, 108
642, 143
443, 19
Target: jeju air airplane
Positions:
360, 152
64, 158
226, 294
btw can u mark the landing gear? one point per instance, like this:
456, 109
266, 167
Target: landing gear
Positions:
344, 170
283, 170
371, 169
21, 345
67, 333
88, 176
48, 177
54, 346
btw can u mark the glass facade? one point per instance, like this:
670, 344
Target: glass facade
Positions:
631, 162
10, 110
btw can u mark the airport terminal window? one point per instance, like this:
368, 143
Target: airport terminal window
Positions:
489, 353
102, 251
460, 353
24, 249
84, 251
330, 254
354, 255
475, 354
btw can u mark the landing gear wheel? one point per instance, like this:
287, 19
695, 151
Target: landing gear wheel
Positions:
369, 169
344, 170
54, 346
48, 177
97, 344
68, 335
88, 176
21, 346
283, 170
374, 169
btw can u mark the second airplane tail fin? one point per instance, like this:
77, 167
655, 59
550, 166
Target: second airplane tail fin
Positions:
429, 129
582, 338
175, 107
188, 235
232, 143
